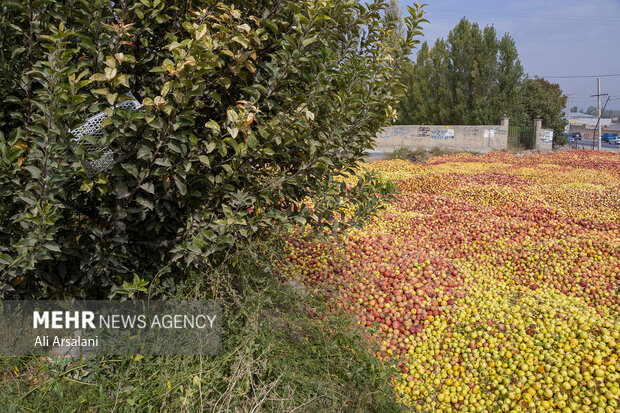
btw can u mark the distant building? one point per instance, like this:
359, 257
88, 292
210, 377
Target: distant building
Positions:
583, 119
586, 124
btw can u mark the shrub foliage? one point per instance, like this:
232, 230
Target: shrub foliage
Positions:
253, 112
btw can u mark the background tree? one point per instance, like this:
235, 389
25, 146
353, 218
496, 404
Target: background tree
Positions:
394, 15
544, 99
607, 113
611, 113
253, 114
510, 74
411, 109
472, 77
574, 109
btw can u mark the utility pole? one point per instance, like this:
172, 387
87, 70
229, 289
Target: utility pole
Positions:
598, 98
598, 122
568, 113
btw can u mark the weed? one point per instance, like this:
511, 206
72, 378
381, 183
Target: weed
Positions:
282, 351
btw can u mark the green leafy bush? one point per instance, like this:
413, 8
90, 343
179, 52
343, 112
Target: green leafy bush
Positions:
559, 139
251, 109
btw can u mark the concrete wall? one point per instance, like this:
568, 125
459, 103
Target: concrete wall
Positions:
545, 147
475, 138
544, 140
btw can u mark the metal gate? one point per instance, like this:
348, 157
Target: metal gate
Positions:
521, 137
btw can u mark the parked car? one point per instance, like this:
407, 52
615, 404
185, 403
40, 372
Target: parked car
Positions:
576, 136
608, 137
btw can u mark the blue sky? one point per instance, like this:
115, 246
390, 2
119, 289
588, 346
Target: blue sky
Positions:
553, 38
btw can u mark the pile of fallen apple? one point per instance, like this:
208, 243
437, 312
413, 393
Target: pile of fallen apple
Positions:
493, 282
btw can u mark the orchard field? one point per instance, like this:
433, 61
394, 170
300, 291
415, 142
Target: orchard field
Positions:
492, 282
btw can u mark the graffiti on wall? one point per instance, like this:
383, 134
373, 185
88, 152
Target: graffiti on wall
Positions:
424, 131
471, 131
394, 132
546, 135
468, 137
446, 133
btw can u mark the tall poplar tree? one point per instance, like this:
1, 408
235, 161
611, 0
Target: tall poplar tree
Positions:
442, 96
472, 77
509, 77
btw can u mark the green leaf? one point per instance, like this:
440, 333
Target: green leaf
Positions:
87, 185
163, 162
252, 141
111, 98
100, 179
201, 31
144, 152
98, 77
110, 73
241, 40
228, 169
147, 203
51, 246
110, 62
213, 125
309, 41
224, 81
131, 169
103, 91
168, 65
271, 26
204, 160
180, 185
233, 132
148, 187
175, 147
37, 130
123, 80
166, 88
5, 259
34, 171
17, 51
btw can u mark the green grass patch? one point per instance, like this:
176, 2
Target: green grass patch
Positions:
419, 154
281, 352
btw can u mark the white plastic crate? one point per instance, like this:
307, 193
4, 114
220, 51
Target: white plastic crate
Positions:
92, 127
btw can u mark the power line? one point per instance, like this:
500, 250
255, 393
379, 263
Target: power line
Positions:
580, 76
524, 19
492, 13
580, 87
531, 21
